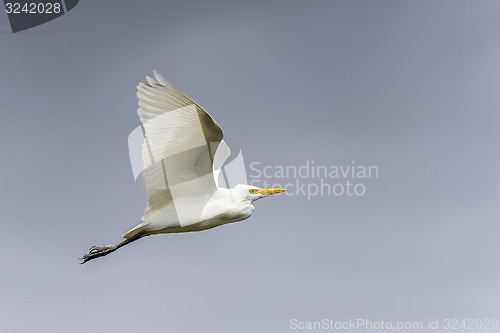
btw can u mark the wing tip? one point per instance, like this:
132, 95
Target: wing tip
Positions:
151, 81
160, 78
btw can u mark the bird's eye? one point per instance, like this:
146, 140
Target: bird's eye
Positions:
253, 190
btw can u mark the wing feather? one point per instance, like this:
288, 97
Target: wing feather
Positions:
180, 141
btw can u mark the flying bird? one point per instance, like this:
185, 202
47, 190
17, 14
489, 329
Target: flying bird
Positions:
180, 144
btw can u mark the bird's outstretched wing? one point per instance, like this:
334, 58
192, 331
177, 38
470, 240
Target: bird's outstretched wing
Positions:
180, 142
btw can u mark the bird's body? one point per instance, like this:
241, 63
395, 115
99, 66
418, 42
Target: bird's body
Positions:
225, 206
178, 153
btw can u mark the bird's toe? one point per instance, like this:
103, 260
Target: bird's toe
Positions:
97, 251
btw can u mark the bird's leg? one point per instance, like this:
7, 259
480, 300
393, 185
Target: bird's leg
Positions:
101, 251
97, 251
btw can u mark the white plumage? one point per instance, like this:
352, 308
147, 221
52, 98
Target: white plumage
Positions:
179, 148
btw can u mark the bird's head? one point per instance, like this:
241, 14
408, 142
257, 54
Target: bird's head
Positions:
254, 193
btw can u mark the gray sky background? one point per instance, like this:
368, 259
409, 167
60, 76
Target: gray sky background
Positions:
412, 87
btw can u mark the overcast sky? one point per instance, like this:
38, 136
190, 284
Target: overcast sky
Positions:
411, 87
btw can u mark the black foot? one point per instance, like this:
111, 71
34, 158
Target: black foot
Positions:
96, 252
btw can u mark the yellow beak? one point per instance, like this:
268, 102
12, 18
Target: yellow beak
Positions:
269, 191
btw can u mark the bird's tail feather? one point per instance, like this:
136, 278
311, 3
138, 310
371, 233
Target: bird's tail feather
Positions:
135, 230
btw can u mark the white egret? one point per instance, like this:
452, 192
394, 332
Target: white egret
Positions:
178, 152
